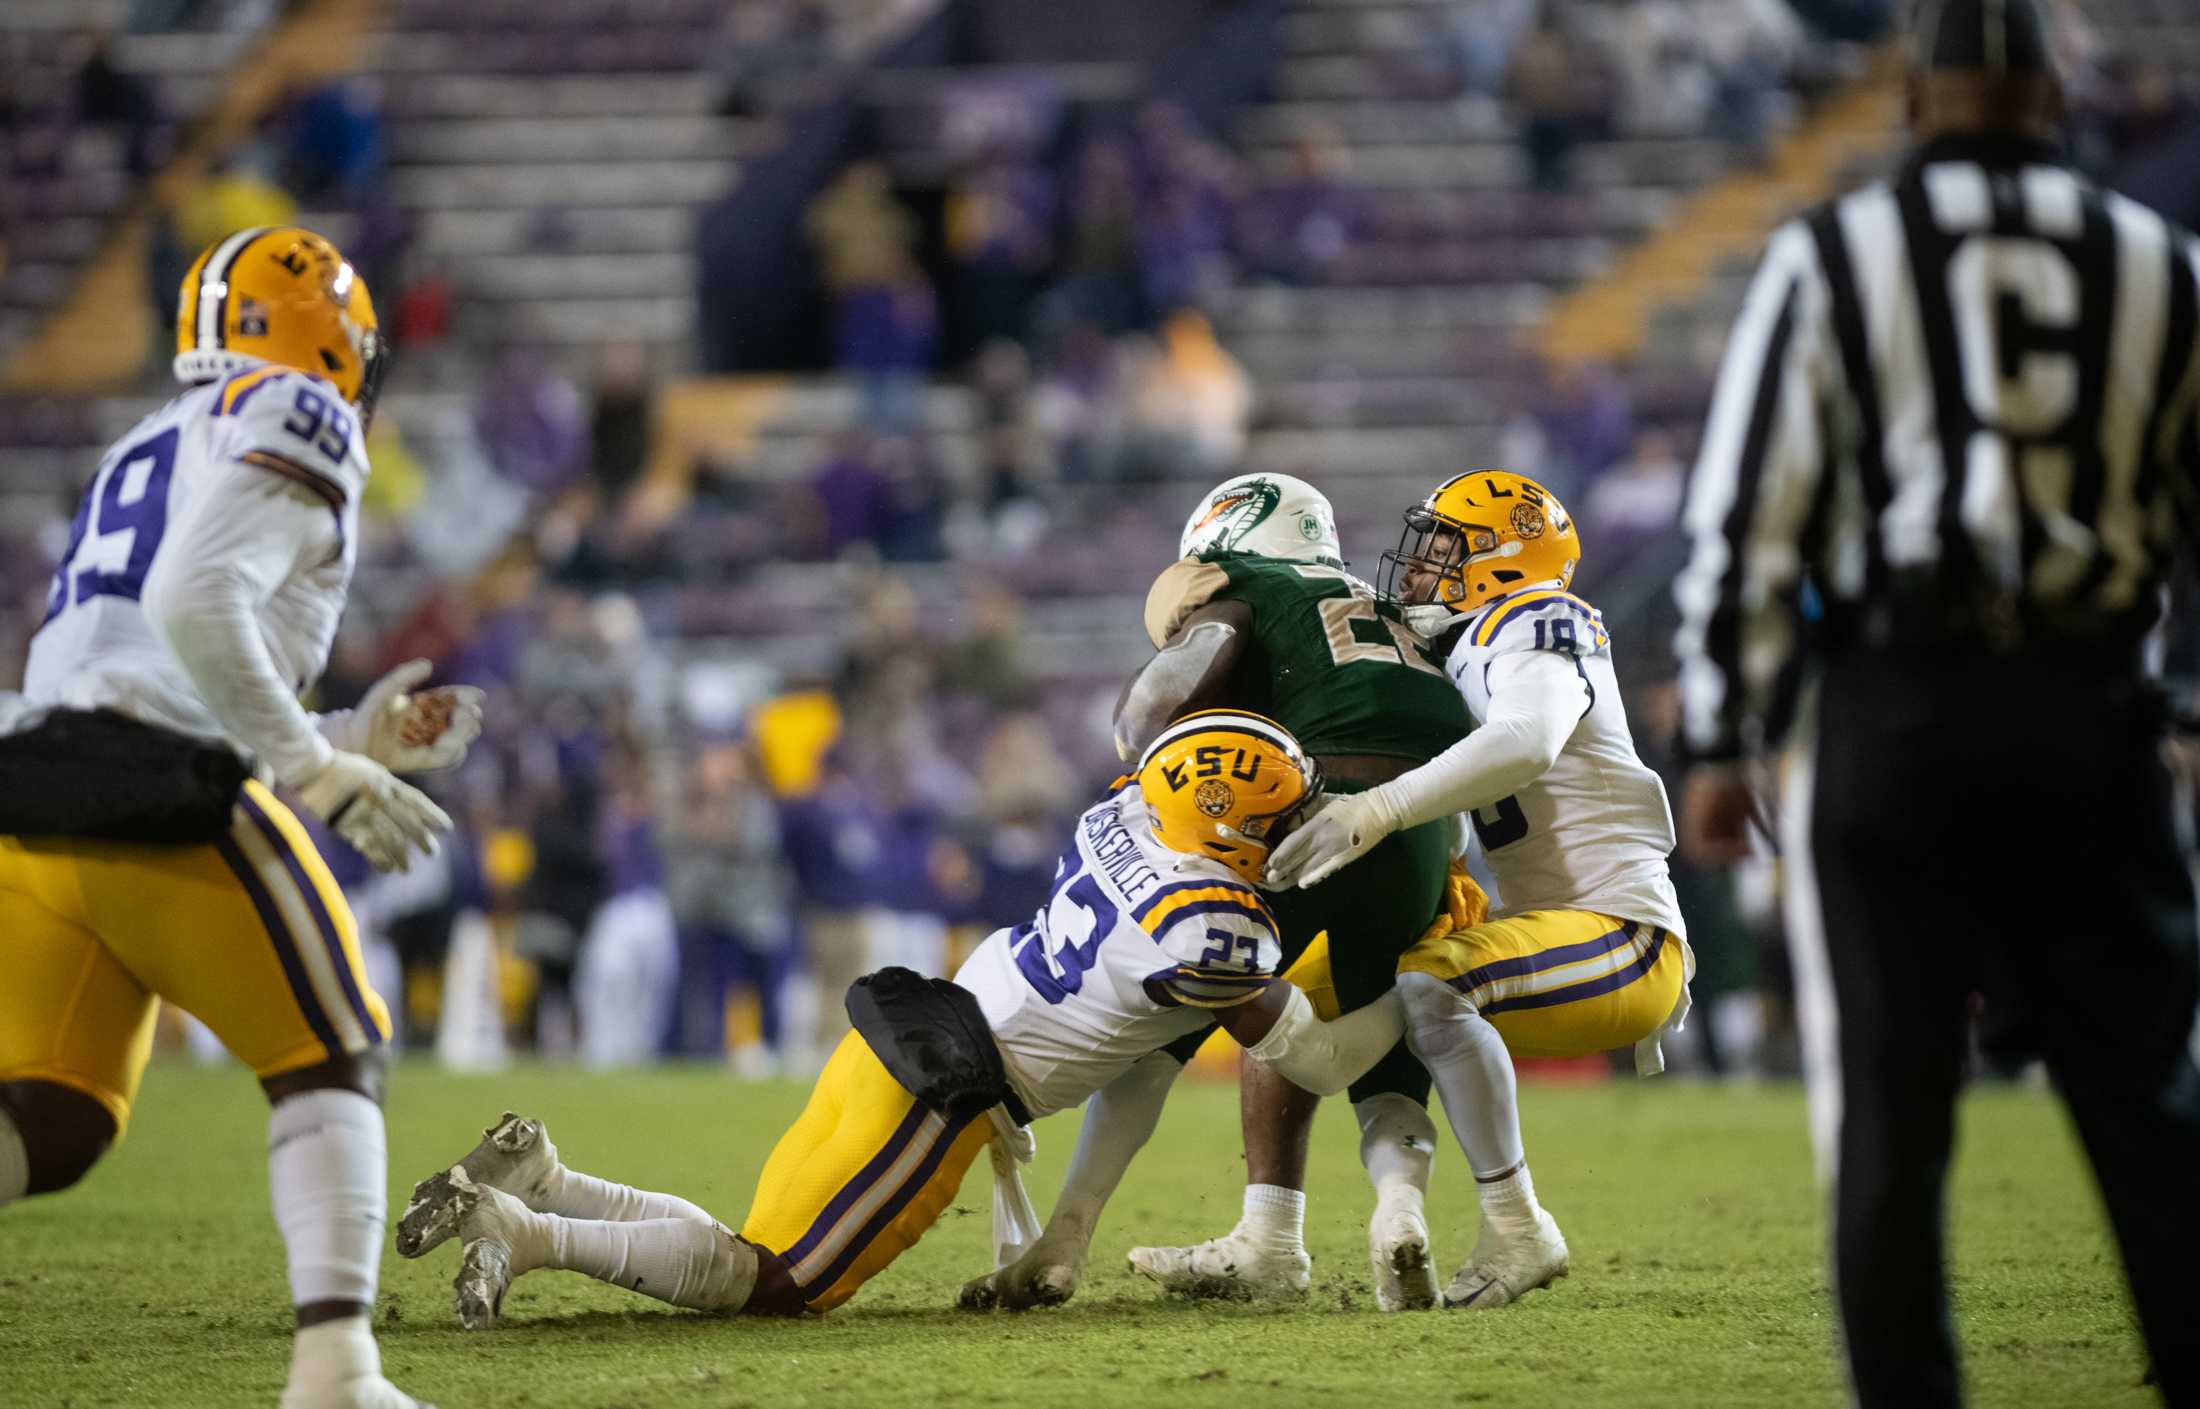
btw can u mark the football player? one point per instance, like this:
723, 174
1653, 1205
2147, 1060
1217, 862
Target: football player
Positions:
142, 854
1154, 930
1587, 952
1259, 613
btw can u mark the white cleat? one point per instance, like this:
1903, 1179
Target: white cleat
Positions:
1229, 1268
1398, 1251
514, 1155
1505, 1268
364, 1392
499, 1242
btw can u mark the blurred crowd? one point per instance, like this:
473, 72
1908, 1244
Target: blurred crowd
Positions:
756, 726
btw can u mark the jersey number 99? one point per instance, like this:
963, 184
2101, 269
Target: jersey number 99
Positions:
117, 527
320, 423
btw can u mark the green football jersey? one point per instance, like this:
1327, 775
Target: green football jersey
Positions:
1328, 661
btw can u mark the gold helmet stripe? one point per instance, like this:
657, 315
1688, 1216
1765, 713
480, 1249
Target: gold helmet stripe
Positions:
213, 310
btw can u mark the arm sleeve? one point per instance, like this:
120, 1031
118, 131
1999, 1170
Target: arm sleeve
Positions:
213, 572
1160, 690
1325, 1058
1536, 699
1750, 501
1119, 1120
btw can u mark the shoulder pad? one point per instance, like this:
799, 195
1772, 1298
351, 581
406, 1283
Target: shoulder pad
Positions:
1538, 621
294, 425
1183, 588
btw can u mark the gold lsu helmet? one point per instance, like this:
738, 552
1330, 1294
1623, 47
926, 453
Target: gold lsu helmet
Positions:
1224, 784
1481, 537
280, 295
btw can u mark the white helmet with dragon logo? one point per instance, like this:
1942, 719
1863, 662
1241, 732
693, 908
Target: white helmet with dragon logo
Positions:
1275, 516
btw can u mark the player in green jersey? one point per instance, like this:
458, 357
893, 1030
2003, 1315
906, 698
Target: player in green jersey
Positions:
1260, 614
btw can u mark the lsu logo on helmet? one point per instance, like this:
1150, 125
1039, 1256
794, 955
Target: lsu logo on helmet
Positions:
1480, 537
1225, 784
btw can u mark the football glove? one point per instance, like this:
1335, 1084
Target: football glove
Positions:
364, 803
407, 730
1344, 828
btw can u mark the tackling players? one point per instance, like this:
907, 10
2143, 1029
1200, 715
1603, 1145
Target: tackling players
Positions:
142, 855
1259, 613
1153, 931
1588, 951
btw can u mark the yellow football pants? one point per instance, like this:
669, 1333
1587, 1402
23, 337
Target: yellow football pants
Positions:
1560, 983
858, 1177
1554, 983
249, 934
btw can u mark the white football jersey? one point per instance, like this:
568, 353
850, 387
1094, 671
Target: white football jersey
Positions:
1593, 832
229, 473
1133, 950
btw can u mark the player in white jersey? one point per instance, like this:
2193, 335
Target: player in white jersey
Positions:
142, 854
1154, 930
1587, 951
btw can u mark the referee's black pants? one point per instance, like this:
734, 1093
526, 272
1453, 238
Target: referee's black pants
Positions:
2004, 828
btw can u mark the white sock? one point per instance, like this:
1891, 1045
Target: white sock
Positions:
572, 1194
676, 1260
325, 1356
328, 1175
1467, 1058
1509, 1203
15, 1162
1274, 1216
1397, 1146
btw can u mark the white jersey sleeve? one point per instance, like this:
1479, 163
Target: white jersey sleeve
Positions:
219, 567
208, 567
295, 427
1593, 830
1133, 950
1217, 943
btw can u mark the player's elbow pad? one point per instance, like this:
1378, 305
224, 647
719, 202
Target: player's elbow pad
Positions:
1325, 1058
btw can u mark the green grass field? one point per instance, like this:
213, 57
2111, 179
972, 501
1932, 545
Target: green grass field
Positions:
1697, 1277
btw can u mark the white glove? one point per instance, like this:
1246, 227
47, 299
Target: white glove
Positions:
366, 805
1344, 828
416, 732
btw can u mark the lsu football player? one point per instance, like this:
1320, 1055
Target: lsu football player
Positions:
1587, 952
1154, 930
143, 855
1259, 613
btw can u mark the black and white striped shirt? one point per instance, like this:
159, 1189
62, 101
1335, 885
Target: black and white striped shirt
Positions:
1958, 406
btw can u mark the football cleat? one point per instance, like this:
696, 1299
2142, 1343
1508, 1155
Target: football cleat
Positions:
365, 1392
514, 1155
1398, 1251
1230, 1268
1506, 1267
499, 1242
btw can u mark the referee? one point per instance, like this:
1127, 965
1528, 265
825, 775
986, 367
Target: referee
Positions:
1951, 453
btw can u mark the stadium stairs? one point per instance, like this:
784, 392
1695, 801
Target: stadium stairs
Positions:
73, 324
1728, 221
